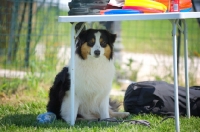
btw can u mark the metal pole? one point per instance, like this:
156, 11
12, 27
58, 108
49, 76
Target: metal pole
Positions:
72, 69
12, 31
186, 68
16, 44
28, 40
178, 47
72, 74
175, 76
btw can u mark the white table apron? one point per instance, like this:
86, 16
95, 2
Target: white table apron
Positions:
173, 17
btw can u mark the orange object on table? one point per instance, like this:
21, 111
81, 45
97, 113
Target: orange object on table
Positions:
183, 4
174, 6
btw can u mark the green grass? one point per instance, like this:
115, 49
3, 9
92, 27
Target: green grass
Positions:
18, 114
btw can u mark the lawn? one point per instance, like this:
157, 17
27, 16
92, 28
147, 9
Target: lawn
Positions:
18, 113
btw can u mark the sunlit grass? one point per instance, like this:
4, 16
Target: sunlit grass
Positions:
19, 112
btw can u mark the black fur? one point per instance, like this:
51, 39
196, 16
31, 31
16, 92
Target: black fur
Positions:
57, 92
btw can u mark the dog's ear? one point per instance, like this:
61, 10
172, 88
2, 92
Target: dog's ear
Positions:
82, 36
111, 37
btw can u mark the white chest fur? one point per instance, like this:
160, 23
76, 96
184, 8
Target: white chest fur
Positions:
93, 76
93, 82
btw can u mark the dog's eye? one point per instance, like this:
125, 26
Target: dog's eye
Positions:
90, 43
103, 44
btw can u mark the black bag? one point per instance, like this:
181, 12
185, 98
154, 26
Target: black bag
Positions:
157, 97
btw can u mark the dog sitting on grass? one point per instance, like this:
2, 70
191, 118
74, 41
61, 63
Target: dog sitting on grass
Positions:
94, 73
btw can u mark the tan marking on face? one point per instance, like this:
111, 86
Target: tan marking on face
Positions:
85, 50
92, 41
101, 40
107, 52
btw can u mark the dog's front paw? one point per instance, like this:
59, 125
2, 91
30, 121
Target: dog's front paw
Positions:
126, 114
120, 114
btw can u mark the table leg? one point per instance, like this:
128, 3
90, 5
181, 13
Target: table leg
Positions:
72, 74
186, 68
72, 69
174, 24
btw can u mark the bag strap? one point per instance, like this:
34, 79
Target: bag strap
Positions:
153, 106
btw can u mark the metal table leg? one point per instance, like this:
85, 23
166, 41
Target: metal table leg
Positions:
72, 74
72, 70
184, 31
186, 68
174, 23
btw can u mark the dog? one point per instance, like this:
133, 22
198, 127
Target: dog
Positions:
94, 73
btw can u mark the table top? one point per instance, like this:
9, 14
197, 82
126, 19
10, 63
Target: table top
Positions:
126, 17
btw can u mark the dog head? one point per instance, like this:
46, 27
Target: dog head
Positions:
95, 43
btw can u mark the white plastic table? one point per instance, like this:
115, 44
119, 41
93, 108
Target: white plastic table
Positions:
173, 17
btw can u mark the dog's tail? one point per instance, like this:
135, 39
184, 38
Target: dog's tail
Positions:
114, 105
57, 92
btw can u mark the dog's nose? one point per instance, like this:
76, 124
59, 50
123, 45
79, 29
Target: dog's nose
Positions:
97, 52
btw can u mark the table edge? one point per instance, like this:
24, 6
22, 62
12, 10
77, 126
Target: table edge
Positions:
126, 17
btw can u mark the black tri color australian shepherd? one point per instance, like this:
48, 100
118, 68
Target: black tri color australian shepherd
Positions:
94, 73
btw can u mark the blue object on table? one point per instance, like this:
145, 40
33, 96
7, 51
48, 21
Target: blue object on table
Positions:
121, 11
186, 10
47, 117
